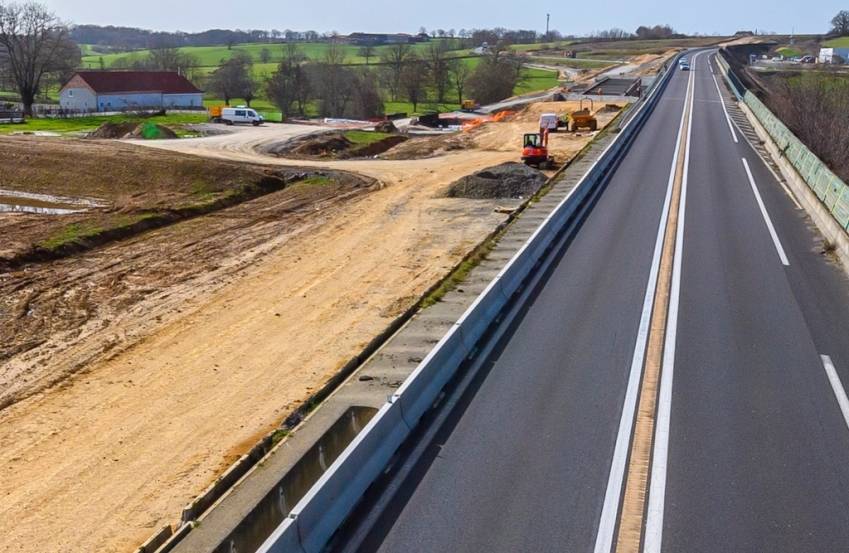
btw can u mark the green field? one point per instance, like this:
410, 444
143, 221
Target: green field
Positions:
87, 124
212, 56
533, 80
789, 52
841, 42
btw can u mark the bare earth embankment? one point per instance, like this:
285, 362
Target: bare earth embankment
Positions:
169, 354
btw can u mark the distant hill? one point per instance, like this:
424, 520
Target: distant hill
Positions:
112, 38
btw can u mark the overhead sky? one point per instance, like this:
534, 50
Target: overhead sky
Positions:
570, 17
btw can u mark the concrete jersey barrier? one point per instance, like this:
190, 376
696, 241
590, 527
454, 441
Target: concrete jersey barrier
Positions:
316, 517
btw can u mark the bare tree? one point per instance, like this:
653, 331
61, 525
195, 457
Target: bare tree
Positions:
334, 81
413, 79
437, 65
169, 58
459, 71
233, 78
367, 101
494, 78
840, 23
815, 106
289, 86
35, 44
366, 52
395, 57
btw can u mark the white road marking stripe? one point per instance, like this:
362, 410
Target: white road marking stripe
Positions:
724, 109
778, 179
837, 386
612, 496
660, 455
769, 225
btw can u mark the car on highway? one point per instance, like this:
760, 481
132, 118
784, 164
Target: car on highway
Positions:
684, 66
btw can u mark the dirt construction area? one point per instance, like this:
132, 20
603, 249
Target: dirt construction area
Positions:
134, 371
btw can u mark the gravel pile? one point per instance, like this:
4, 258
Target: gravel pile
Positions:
508, 180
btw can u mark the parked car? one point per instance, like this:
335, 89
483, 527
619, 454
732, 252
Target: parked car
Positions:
808, 59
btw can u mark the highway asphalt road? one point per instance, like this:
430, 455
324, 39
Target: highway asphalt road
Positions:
748, 420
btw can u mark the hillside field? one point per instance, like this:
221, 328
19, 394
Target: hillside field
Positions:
841, 42
212, 56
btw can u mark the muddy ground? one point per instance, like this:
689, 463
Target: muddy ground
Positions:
127, 183
49, 309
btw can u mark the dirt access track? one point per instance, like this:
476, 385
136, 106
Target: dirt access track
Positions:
213, 330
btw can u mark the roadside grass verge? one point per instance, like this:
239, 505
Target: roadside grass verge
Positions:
461, 272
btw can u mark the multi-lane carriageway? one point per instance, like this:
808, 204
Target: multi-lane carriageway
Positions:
676, 383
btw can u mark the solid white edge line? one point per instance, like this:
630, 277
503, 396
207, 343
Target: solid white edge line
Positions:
660, 454
613, 493
724, 109
837, 387
775, 175
766, 217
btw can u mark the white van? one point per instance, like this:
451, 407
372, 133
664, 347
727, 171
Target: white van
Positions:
241, 114
549, 121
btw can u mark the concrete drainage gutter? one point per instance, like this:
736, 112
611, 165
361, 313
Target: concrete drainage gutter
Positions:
278, 504
315, 518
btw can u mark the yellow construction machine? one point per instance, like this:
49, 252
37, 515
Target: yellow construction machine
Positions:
583, 118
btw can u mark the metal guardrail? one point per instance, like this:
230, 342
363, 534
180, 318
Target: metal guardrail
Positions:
829, 188
316, 517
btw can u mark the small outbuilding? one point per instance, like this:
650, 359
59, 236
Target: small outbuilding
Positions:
103, 91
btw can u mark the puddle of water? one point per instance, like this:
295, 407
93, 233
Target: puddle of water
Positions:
14, 201
267, 516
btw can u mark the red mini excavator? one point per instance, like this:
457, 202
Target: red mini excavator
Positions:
535, 150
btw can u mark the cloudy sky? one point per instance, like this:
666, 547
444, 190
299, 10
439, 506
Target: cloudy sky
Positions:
570, 17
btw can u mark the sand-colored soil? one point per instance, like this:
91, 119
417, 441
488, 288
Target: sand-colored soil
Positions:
200, 367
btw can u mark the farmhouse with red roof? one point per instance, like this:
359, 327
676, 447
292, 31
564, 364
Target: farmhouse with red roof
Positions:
129, 90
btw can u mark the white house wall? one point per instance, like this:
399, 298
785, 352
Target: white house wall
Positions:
78, 99
194, 100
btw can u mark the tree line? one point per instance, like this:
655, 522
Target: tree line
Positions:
339, 89
643, 32
35, 50
111, 38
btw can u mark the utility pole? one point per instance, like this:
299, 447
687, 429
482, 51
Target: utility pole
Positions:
547, 20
